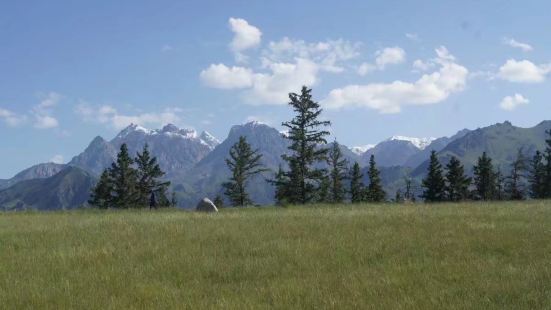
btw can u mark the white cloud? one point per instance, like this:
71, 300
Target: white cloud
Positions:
510, 103
384, 57
10, 118
42, 112
390, 97
327, 54
390, 56
43, 121
223, 77
274, 87
523, 71
107, 114
420, 65
516, 44
245, 37
57, 159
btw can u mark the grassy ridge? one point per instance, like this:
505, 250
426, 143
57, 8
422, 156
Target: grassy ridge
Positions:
492, 256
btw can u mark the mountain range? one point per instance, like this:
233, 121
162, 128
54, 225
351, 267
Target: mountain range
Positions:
195, 163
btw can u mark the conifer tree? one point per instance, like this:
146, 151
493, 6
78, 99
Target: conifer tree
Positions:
148, 173
323, 190
484, 178
375, 192
537, 178
434, 183
101, 193
547, 157
244, 163
123, 177
457, 183
516, 184
356, 185
337, 173
408, 193
306, 136
218, 201
500, 185
280, 182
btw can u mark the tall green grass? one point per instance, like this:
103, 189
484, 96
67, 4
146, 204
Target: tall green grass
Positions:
450, 256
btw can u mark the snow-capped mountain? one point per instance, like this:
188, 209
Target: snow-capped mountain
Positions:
176, 149
420, 143
359, 150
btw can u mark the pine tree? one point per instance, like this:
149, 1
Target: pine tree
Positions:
280, 181
306, 137
375, 192
537, 177
516, 182
408, 193
123, 177
323, 192
218, 201
484, 178
337, 173
148, 173
434, 183
457, 183
101, 193
244, 163
547, 157
356, 185
500, 185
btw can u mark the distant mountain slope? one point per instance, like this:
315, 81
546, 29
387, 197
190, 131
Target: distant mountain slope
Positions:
391, 153
206, 178
437, 145
177, 150
500, 141
70, 188
39, 171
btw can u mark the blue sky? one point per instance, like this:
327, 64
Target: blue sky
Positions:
72, 70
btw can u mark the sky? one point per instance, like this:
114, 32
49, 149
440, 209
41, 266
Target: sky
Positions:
73, 70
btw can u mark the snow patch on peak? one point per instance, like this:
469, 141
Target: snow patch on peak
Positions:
208, 139
359, 150
133, 128
420, 143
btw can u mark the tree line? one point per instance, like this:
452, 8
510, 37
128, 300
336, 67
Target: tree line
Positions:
313, 173
132, 183
527, 178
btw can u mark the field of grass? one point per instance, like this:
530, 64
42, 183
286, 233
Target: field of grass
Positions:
451, 256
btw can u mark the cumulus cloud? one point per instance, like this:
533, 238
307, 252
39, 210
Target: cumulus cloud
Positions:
223, 77
10, 118
510, 103
246, 36
285, 66
390, 97
523, 71
525, 47
384, 57
109, 115
43, 118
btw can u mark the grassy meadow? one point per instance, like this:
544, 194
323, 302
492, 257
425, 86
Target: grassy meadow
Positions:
448, 256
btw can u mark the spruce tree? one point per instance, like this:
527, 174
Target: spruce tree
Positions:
537, 177
280, 181
547, 157
218, 201
123, 177
101, 193
244, 163
500, 185
306, 136
457, 183
409, 196
148, 174
516, 182
434, 183
337, 173
324, 187
356, 185
484, 178
375, 192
